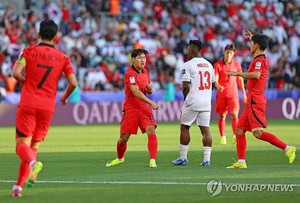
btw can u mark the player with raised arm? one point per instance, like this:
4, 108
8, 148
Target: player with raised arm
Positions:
198, 79
39, 68
253, 117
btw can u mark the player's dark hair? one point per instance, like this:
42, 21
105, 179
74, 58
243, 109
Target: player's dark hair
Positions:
137, 52
48, 29
262, 41
196, 43
229, 47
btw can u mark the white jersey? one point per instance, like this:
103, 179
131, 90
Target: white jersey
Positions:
200, 73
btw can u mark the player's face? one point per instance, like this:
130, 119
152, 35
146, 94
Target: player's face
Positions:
190, 52
253, 48
228, 55
140, 61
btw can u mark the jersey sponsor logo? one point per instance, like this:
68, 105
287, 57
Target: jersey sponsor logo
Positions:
257, 65
132, 80
183, 71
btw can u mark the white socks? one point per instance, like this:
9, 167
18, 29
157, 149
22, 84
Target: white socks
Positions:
183, 150
207, 153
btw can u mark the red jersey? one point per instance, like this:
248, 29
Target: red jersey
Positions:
44, 66
256, 87
228, 82
141, 79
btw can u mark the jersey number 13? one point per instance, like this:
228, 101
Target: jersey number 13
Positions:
204, 81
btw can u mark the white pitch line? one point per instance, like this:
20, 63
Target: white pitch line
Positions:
143, 183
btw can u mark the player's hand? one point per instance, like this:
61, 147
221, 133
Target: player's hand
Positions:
249, 34
232, 73
149, 89
221, 88
154, 106
245, 98
63, 99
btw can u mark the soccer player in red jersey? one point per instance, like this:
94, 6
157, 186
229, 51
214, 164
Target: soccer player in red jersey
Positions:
227, 99
39, 68
253, 118
137, 112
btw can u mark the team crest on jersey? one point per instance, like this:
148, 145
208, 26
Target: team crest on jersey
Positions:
257, 65
132, 80
183, 71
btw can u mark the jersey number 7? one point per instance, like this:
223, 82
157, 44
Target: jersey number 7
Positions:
49, 68
205, 83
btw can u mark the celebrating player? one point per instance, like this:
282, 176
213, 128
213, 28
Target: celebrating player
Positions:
42, 66
136, 110
227, 99
197, 80
253, 118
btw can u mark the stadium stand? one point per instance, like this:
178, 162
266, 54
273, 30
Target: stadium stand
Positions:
98, 35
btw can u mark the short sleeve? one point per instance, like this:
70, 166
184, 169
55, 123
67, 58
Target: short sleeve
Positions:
186, 75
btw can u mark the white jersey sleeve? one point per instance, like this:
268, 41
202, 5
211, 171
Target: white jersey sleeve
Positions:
200, 73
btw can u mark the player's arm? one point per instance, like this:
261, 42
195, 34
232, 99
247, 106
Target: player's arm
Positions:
249, 34
18, 70
241, 85
216, 84
137, 93
185, 88
247, 75
149, 89
72, 83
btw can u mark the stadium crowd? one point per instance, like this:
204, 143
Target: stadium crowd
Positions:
98, 35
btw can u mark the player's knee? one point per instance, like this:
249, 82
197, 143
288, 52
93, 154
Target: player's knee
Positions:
239, 132
233, 115
150, 130
257, 134
123, 140
222, 116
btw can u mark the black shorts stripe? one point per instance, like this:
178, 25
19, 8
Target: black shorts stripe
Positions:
19, 133
256, 117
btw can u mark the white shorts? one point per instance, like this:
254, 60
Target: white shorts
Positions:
188, 117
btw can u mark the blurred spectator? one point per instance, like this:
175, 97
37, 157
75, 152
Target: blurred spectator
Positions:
98, 36
169, 89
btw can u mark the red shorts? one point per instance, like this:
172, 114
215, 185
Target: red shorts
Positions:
230, 104
253, 116
131, 120
32, 122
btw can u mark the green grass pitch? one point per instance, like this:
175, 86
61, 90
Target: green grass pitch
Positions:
74, 170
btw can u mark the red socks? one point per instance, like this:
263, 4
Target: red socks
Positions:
241, 145
121, 149
25, 153
152, 146
24, 171
272, 139
222, 126
234, 122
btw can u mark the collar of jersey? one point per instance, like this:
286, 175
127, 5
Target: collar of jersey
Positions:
45, 44
136, 70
